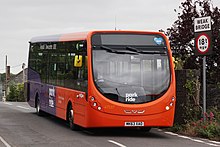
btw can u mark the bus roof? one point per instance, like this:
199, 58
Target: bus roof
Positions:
77, 36
60, 37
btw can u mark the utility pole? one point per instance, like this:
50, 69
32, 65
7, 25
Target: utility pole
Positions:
6, 81
7, 76
23, 69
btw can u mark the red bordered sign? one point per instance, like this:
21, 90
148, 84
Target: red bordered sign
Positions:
203, 43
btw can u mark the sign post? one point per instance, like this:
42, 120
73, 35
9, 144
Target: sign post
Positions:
204, 88
203, 43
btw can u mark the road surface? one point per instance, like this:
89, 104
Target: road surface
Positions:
21, 127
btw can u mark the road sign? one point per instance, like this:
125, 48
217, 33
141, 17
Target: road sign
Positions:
203, 35
203, 43
202, 24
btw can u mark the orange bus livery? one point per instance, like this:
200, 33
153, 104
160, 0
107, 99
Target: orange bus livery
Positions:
103, 78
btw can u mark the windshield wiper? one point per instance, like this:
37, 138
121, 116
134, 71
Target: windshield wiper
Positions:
133, 49
108, 49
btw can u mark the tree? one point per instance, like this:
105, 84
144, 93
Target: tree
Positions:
13, 93
181, 36
2, 77
16, 93
20, 90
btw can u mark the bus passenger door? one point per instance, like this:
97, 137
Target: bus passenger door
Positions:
80, 80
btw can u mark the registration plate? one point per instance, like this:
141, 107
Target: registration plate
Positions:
134, 124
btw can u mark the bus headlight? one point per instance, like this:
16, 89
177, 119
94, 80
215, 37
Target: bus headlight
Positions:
167, 108
170, 104
95, 104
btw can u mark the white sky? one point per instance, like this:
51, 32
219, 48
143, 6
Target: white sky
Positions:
20, 20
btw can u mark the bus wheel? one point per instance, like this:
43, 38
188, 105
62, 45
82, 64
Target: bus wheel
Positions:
71, 120
38, 111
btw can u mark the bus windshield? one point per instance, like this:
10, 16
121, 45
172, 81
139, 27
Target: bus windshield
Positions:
131, 73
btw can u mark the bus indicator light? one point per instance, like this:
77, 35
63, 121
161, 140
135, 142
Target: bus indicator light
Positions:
95, 104
171, 104
92, 98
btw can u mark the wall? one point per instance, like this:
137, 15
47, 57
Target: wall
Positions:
188, 94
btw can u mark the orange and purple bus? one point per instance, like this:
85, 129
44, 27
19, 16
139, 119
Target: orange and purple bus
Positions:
103, 79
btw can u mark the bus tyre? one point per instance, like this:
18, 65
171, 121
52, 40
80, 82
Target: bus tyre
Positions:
38, 111
71, 120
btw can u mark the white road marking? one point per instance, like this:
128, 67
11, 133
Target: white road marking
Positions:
216, 142
185, 137
208, 142
23, 107
171, 133
8, 103
196, 140
116, 143
4, 142
211, 144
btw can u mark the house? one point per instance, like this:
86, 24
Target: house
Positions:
19, 78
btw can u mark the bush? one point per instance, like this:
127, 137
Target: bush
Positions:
16, 93
207, 129
12, 96
20, 90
